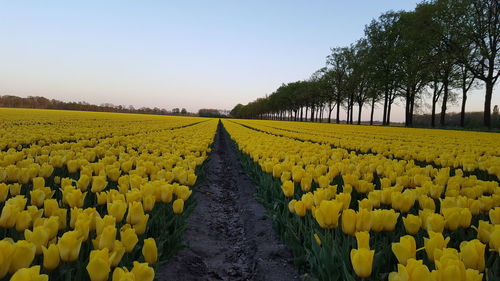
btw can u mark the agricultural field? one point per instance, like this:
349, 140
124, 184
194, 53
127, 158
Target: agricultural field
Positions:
90, 196
111, 196
367, 203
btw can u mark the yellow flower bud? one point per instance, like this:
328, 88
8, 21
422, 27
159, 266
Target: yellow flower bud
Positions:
22, 256
99, 265
51, 257
31, 273
178, 206
69, 245
349, 221
362, 261
327, 214
142, 271
149, 251
288, 188
405, 249
129, 239
363, 239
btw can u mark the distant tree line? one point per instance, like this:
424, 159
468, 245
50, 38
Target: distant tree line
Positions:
44, 103
437, 53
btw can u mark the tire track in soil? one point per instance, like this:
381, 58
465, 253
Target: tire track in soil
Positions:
229, 235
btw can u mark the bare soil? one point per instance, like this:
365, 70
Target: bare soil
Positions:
229, 236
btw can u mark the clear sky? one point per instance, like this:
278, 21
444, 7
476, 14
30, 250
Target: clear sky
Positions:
192, 54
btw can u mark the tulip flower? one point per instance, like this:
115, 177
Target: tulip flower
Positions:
452, 218
6, 250
135, 212
140, 227
22, 255
178, 206
69, 246
83, 182
117, 209
37, 197
23, 221
412, 224
327, 215
435, 223
148, 202
349, 221
129, 239
363, 220
101, 223
102, 198
362, 261
300, 208
142, 271
473, 275
495, 215
363, 239
106, 239
495, 238
50, 207
98, 183
308, 200
405, 249
117, 254
149, 251
122, 274
99, 265
51, 257
4, 192
39, 237
288, 188
32, 273
435, 241
306, 182
414, 270
472, 254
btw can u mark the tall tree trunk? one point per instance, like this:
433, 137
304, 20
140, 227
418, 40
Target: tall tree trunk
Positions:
352, 112
487, 103
462, 111
338, 112
301, 113
407, 108
388, 121
312, 113
442, 121
359, 113
305, 115
386, 98
372, 110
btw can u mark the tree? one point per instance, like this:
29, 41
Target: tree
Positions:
183, 111
478, 23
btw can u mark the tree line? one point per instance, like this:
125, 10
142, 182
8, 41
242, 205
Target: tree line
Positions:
44, 103
438, 51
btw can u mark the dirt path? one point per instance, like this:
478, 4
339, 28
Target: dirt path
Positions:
229, 236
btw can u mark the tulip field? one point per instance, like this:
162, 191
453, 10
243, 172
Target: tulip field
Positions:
105, 196
95, 196
378, 203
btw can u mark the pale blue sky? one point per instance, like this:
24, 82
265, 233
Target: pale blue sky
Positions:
192, 54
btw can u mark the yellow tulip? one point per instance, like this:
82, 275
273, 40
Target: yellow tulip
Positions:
102, 198
306, 182
149, 251
412, 224
140, 227
142, 271
23, 221
363, 239
99, 183
101, 223
4, 192
300, 208
465, 217
75, 198
178, 206
32, 274
435, 241
414, 270
495, 238
148, 202
495, 215
9, 216
435, 223
405, 249
99, 265
473, 275
122, 274
69, 245
82, 225
308, 200
135, 212
363, 220
117, 209
452, 218
117, 254
362, 261
22, 256
472, 254
39, 237
107, 238
450, 269
129, 239
6, 250
50, 207
83, 182
484, 230
37, 197
51, 257
349, 221
327, 214
288, 188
